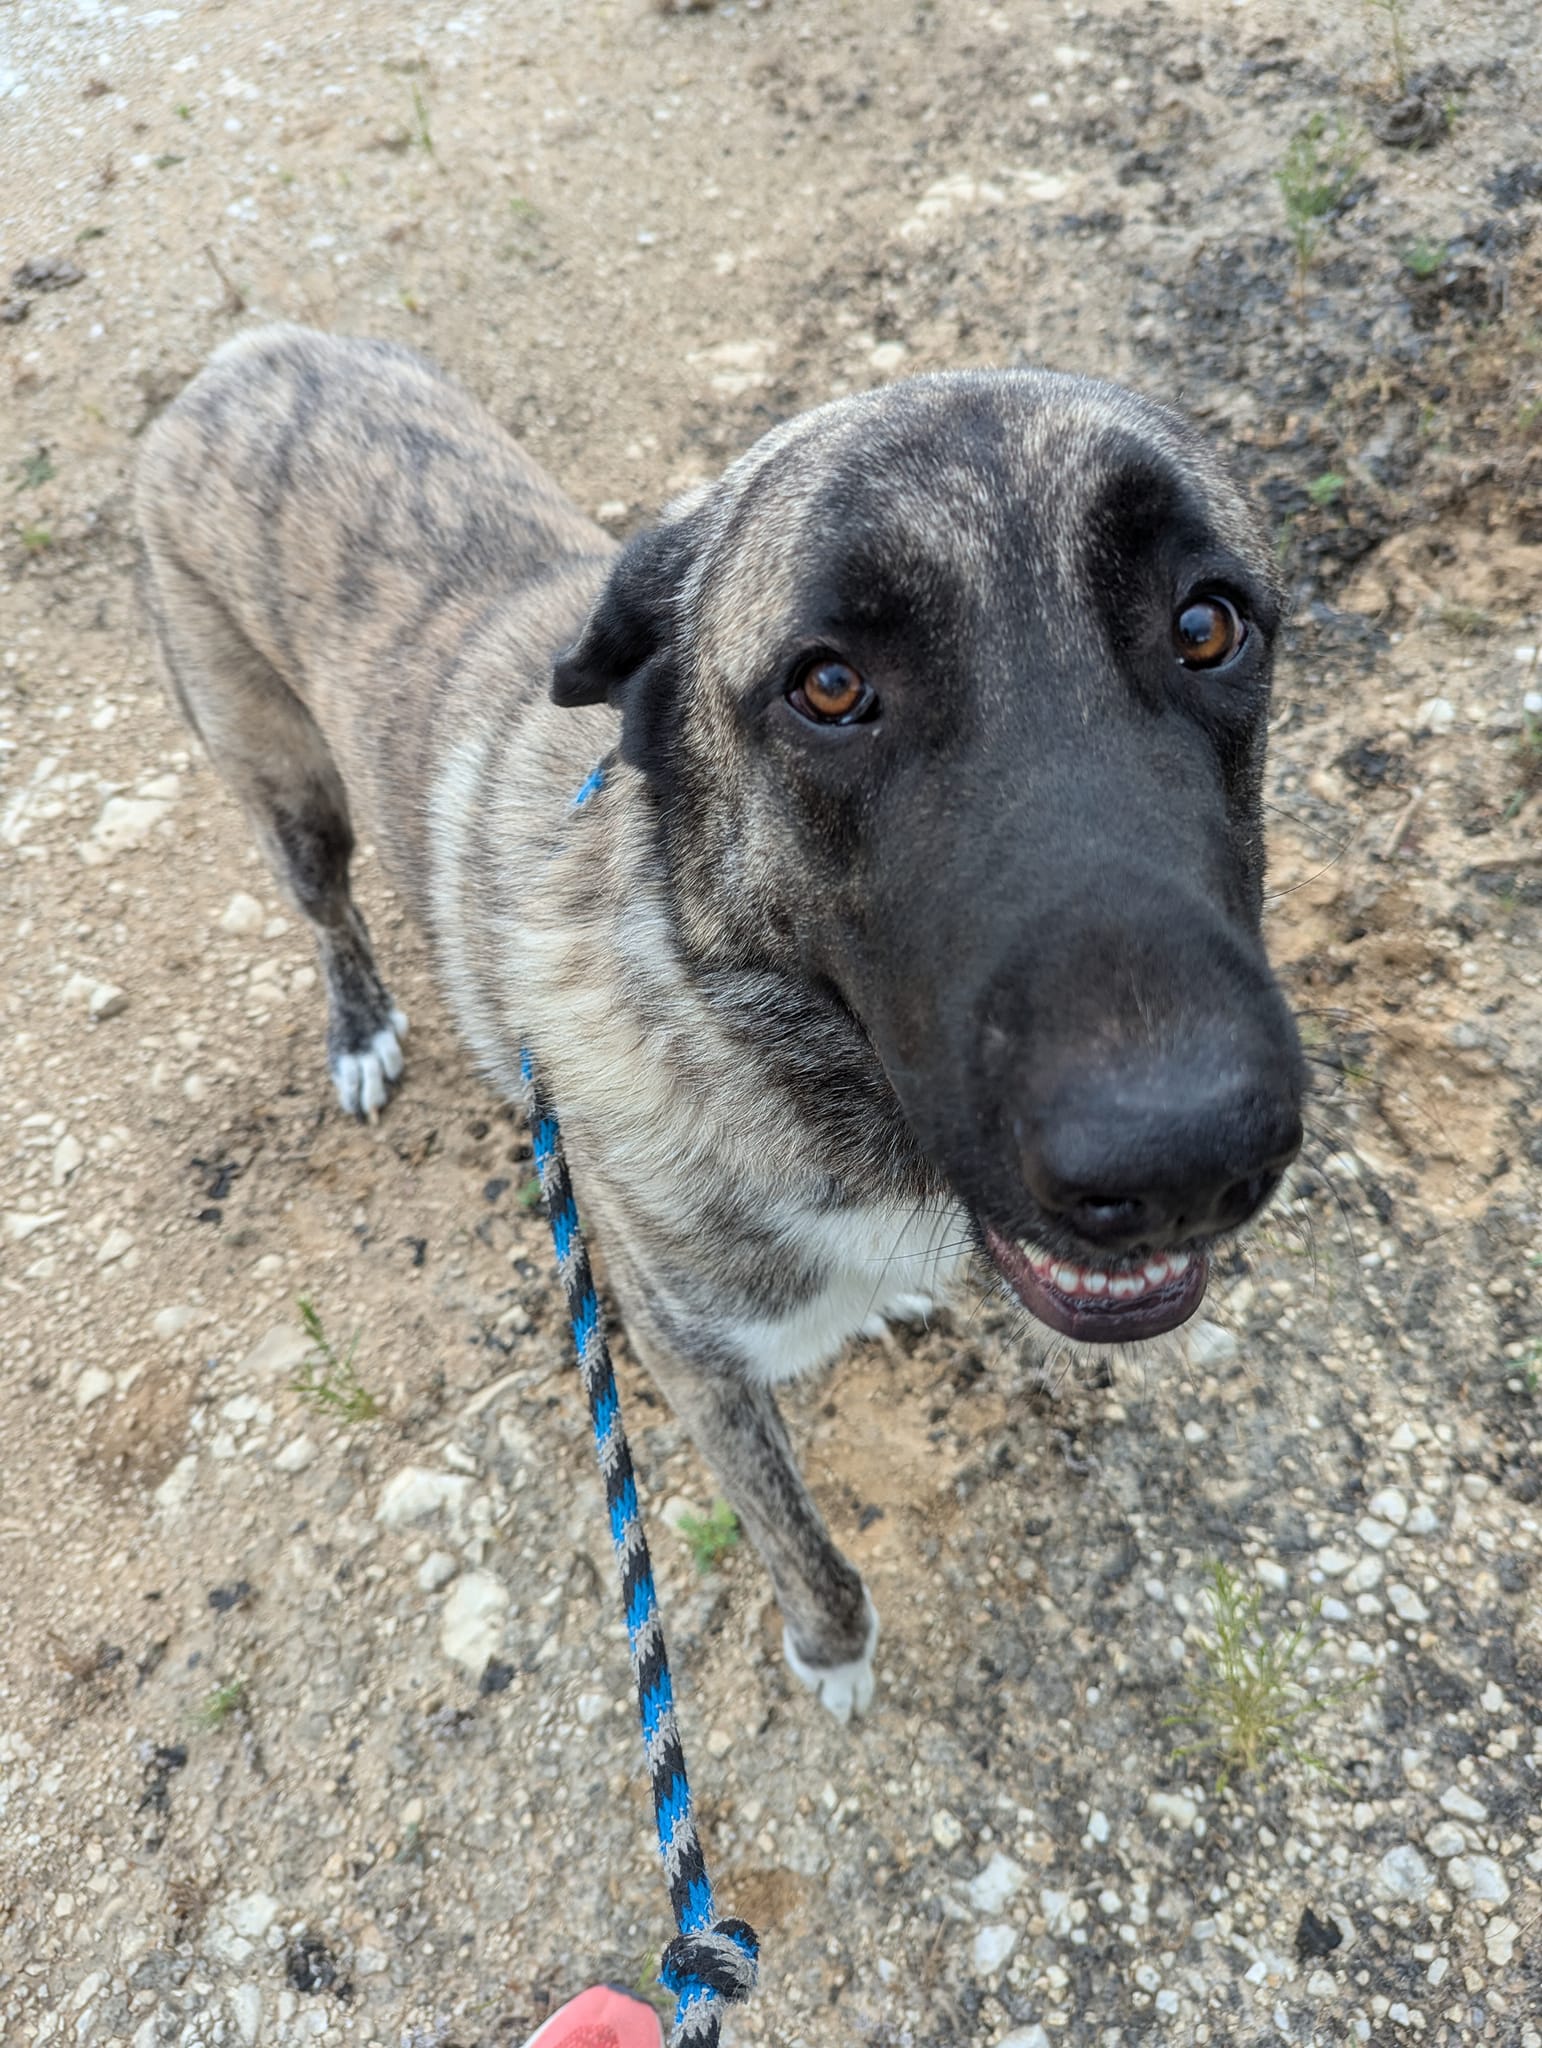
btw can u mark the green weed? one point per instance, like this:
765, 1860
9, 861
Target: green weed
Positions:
225, 1700
326, 1381
1423, 258
710, 1537
1250, 1702
1396, 12
35, 471
529, 1196
420, 115
35, 539
1469, 621
1327, 489
1319, 168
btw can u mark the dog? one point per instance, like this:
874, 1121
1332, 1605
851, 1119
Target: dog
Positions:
913, 909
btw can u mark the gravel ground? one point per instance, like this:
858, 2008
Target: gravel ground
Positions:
314, 1727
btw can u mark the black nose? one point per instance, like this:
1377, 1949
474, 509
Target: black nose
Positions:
1157, 1157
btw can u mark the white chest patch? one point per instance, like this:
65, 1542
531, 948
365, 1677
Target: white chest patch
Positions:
880, 1261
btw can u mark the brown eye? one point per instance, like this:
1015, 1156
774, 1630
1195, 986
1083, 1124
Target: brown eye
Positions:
831, 693
1207, 632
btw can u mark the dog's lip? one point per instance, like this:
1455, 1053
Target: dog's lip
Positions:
1121, 1303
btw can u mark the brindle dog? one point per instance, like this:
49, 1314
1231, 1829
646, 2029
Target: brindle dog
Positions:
917, 911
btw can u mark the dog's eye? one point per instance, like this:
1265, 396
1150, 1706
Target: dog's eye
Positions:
830, 692
1207, 632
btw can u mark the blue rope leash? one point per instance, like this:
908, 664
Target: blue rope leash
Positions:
710, 1962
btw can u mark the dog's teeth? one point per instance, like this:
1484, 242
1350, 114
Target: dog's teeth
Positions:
1177, 1262
1156, 1272
1067, 1279
1097, 1282
1123, 1290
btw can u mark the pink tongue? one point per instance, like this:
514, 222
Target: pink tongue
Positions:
1099, 1318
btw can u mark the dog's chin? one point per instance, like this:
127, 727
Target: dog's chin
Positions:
1107, 1304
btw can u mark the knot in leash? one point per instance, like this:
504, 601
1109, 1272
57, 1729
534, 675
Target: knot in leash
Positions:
710, 1963
722, 1958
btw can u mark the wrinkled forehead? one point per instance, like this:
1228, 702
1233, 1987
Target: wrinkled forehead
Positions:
951, 489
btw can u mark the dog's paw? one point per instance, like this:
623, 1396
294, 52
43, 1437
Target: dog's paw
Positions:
842, 1689
910, 1308
900, 1308
363, 1075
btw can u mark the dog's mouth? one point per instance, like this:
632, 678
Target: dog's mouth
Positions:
1121, 1303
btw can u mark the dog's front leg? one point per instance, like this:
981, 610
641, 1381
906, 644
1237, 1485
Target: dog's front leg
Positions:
830, 1626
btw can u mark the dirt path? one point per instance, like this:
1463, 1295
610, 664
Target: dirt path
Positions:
314, 1728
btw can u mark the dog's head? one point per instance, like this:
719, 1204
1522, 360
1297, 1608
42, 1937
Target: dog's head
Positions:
954, 697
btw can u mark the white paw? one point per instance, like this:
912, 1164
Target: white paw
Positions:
844, 1689
900, 1308
362, 1079
910, 1308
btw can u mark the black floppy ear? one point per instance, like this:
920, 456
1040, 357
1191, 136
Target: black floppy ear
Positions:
631, 626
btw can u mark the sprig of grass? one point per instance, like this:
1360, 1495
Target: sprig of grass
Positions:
225, 1700
327, 1381
420, 116
1327, 489
710, 1537
1320, 166
1396, 14
1250, 1701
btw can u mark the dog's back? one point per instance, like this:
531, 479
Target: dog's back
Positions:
339, 524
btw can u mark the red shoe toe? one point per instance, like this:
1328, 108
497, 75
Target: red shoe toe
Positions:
601, 2018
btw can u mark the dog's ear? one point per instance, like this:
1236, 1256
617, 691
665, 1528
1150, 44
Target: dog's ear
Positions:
632, 623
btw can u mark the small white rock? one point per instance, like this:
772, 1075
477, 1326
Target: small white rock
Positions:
1480, 1876
471, 1627
591, 1707
1406, 1604
127, 821
1271, 1574
947, 1830
437, 1570
992, 1946
114, 1245
107, 1000
92, 1385
1404, 1874
178, 1483
1334, 1563
1366, 1573
1437, 714
171, 1322
999, 1881
1177, 1807
68, 1155
1390, 1505
1445, 1840
252, 1914
415, 1493
1499, 1939
281, 1350
243, 916
1025, 2037
719, 1742
298, 1456
246, 2010
1374, 1534
1056, 1908
1209, 1345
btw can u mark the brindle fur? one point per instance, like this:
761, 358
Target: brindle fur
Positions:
359, 586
